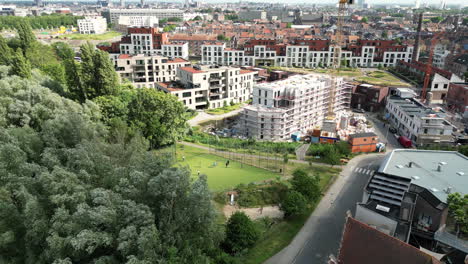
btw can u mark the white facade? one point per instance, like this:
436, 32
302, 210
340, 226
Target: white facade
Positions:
138, 21
298, 56
440, 54
417, 122
92, 25
296, 104
176, 50
146, 71
159, 13
204, 87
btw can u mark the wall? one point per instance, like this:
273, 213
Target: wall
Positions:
372, 218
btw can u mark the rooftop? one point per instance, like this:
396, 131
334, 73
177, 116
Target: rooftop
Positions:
424, 170
414, 108
360, 135
363, 244
191, 70
294, 82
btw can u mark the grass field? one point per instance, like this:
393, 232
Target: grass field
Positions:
105, 36
224, 109
220, 177
382, 78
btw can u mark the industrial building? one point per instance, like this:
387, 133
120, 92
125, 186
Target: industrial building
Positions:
202, 87
296, 104
407, 197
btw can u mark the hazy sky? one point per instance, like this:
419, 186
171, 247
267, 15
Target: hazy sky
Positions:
406, 2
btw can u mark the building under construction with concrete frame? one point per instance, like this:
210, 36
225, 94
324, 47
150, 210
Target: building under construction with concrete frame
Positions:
296, 104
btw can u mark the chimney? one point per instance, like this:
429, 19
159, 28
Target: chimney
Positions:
410, 164
415, 56
439, 168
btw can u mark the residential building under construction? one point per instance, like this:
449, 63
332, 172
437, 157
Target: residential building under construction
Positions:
297, 104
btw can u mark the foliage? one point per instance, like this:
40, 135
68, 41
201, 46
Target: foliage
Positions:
169, 28
289, 25
235, 143
231, 17
252, 195
436, 19
294, 203
174, 19
197, 18
365, 20
224, 109
39, 22
458, 209
20, 65
222, 37
241, 233
306, 185
104, 36
25, 35
330, 153
73, 191
6, 51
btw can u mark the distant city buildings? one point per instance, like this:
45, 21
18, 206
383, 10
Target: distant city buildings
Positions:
113, 14
92, 25
296, 104
137, 21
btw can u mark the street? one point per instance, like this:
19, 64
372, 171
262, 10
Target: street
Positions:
382, 132
321, 234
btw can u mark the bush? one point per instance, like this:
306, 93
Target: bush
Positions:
294, 204
308, 186
241, 233
256, 195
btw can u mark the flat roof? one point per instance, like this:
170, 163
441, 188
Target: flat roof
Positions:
415, 108
359, 135
424, 173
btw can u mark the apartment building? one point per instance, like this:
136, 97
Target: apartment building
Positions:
250, 15
138, 21
147, 70
407, 197
423, 125
113, 14
457, 98
148, 41
202, 87
369, 97
92, 25
195, 41
296, 104
308, 53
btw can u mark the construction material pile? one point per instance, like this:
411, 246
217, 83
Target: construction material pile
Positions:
349, 123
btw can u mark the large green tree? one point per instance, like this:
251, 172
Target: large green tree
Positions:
293, 204
241, 233
20, 65
5, 51
25, 35
306, 185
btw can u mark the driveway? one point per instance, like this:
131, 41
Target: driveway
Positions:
321, 234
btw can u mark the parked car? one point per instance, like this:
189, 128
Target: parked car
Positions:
392, 130
359, 111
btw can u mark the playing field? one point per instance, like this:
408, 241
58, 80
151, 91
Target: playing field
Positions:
220, 177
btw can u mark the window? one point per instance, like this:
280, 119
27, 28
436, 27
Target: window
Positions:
425, 131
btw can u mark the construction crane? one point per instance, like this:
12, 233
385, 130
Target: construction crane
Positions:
336, 62
427, 76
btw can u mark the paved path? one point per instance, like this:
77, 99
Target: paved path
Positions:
254, 156
302, 151
321, 234
383, 133
203, 117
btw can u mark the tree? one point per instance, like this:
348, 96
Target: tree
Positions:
289, 25
241, 233
332, 157
385, 34
285, 161
159, 116
436, 19
222, 37
308, 186
365, 20
169, 28
20, 66
197, 18
294, 204
25, 34
458, 209
7, 52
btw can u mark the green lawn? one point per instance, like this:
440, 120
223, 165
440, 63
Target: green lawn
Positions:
105, 36
220, 177
224, 109
382, 78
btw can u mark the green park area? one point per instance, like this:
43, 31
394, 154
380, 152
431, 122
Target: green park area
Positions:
381, 78
105, 36
224, 109
220, 177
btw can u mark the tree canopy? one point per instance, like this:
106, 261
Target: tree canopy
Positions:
241, 233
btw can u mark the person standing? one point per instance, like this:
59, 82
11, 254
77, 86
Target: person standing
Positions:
227, 163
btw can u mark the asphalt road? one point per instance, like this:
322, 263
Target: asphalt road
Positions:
382, 132
321, 235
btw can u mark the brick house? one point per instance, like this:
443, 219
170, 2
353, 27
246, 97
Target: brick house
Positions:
363, 142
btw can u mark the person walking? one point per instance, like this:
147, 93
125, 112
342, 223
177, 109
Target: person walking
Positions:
227, 163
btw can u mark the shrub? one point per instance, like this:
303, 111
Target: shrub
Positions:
308, 186
241, 233
293, 204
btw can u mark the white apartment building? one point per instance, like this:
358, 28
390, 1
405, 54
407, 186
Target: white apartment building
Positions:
422, 124
92, 25
296, 104
147, 70
202, 87
440, 54
138, 21
298, 56
176, 50
114, 14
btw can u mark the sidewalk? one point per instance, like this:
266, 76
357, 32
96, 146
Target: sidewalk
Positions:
203, 117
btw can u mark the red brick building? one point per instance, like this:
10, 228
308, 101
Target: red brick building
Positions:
457, 97
363, 142
369, 97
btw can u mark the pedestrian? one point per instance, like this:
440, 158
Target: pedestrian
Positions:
198, 172
183, 158
227, 163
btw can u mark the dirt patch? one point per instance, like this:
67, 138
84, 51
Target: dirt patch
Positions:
255, 212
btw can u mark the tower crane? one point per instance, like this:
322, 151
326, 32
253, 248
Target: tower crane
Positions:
336, 62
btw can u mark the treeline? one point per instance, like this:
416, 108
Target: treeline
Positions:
39, 22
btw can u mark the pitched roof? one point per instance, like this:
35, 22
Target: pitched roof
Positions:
366, 245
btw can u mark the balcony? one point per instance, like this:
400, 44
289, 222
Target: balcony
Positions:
215, 78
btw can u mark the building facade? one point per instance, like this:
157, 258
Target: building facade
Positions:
202, 87
114, 14
92, 25
296, 104
138, 21
421, 124
147, 70
369, 97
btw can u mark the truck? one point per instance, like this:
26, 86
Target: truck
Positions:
405, 142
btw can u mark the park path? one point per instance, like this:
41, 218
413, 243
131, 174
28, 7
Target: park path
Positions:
301, 151
203, 117
254, 156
